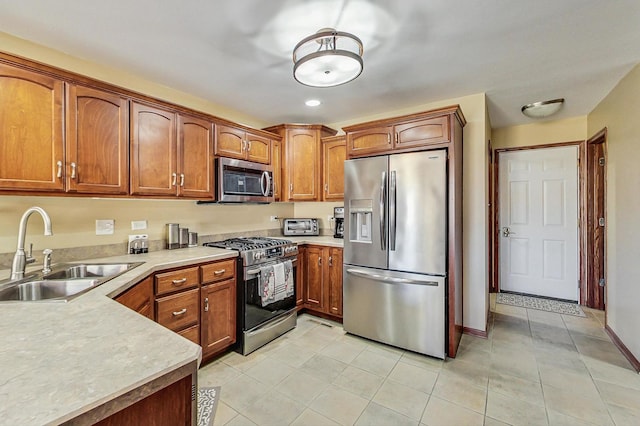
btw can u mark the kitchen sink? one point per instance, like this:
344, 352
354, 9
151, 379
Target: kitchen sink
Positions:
64, 282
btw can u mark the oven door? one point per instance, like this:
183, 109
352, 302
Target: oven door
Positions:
254, 313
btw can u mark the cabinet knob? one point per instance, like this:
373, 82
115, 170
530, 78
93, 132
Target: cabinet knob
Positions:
73, 170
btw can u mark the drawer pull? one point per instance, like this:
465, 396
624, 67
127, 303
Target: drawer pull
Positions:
180, 312
219, 272
180, 281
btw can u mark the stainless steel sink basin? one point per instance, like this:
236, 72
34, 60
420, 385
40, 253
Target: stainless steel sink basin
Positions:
46, 289
64, 282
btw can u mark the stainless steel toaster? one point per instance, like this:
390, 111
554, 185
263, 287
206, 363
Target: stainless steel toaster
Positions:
307, 226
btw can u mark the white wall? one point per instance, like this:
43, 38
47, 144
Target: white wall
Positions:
618, 112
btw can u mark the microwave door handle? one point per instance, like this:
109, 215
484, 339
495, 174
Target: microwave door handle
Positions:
262, 181
383, 201
392, 211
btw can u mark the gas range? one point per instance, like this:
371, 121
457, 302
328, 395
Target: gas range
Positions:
258, 250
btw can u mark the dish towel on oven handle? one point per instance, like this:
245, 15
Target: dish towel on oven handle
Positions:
290, 284
277, 282
267, 285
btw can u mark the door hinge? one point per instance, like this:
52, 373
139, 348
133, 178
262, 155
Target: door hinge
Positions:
601, 221
601, 282
601, 161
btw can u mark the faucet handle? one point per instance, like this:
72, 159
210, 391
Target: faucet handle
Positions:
30, 258
46, 266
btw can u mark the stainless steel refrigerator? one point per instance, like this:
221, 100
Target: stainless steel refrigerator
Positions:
395, 250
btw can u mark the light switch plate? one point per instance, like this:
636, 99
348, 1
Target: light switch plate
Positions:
138, 224
105, 226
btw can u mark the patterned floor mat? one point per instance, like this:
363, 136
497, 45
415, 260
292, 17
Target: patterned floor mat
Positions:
541, 304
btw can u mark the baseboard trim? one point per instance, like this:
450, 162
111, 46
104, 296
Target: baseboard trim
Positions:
621, 346
475, 332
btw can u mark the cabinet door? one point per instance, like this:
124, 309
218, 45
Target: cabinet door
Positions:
303, 164
218, 318
230, 142
335, 282
276, 162
423, 132
370, 141
258, 149
153, 151
31, 131
140, 298
335, 153
301, 277
195, 174
97, 143
315, 278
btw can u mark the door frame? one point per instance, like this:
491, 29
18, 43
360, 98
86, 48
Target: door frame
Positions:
596, 298
494, 266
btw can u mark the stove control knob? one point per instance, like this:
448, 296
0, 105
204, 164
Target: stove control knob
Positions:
256, 255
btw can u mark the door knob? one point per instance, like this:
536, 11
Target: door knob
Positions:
507, 232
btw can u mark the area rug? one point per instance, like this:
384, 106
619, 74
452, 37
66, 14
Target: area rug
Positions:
207, 404
540, 304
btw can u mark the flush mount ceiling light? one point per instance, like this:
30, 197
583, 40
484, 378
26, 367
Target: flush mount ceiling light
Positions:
543, 109
327, 58
312, 103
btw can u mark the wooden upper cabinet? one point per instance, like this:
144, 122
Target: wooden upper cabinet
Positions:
153, 150
412, 132
423, 132
334, 154
195, 165
31, 131
237, 143
276, 162
370, 141
97, 143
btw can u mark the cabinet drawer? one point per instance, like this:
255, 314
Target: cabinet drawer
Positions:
179, 310
168, 282
191, 333
218, 271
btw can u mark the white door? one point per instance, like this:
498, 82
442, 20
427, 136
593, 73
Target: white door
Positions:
539, 222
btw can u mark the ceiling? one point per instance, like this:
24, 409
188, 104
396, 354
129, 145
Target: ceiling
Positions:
238, 53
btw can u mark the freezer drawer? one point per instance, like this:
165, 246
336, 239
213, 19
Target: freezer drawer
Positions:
400, 309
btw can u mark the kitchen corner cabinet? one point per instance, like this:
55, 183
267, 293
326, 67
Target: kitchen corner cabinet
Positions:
97, 142
31, 131
413, 132
140, 298
323, 280
301, 160
334, 150
170, 153
238, 143
218, 307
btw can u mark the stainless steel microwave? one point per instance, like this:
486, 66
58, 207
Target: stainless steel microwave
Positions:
241, 181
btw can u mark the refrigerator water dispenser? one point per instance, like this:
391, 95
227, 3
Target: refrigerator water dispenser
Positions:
361, 213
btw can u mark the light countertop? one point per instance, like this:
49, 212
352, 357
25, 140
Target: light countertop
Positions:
59, 360
322, 240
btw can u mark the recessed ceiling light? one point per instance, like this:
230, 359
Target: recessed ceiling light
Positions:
543, 109
312, 102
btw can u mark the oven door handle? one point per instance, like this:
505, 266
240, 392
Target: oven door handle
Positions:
269, 326
257, 270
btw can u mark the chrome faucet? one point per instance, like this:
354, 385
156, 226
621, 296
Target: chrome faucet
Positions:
20, 259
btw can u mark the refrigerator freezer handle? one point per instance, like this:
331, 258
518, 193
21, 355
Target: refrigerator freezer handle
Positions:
393, 280
383, 202
392, 211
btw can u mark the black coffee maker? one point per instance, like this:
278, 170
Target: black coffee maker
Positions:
338, 217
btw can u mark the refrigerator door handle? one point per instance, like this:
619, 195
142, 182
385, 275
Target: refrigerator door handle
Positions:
392, 211
393, 280
383, 202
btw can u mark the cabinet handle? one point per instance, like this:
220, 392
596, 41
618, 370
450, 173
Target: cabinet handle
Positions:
244, 145
326, 187
319, 261
397, 137
175, 176
330, 260
248, 146
219, 272
73, 170
59, 172
291, 187
180, 281
388, 138
180, 312
206, 304
181, 179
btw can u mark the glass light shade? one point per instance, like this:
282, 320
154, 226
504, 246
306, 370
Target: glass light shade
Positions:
543, 109
327, 58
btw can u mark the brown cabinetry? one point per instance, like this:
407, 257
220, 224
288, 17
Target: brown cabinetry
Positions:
334, 151
401, 134
218, 306
194, 171
323, 280
301, 160
301, 277
31, 131
178, 311
140, 298
238, 143
276, 163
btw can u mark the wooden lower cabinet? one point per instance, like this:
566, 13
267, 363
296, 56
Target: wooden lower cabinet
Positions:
178, 311
301, 275
218, 316
140, 298
323, 280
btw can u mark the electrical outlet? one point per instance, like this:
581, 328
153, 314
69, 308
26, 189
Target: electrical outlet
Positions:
138, 224
105, 226
273, 218
330, 218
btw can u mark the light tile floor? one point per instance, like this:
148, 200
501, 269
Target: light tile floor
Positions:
536, 368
